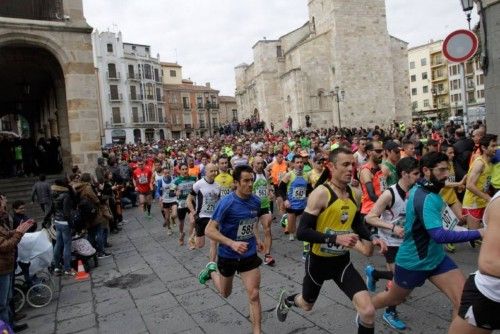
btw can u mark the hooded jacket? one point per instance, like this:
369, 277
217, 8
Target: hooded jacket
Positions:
62, 203
85, 190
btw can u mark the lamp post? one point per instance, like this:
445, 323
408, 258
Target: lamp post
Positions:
467, 6
339, 95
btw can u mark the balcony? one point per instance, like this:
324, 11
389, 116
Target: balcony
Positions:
136, 97
133, 76
115, 97
160, 99
137, 120
113, 76
437, 62
186, 126
149, 97
186, 107
470, 86
33, 10
200, 106
115, 122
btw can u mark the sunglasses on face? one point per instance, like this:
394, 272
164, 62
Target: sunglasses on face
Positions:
379, 150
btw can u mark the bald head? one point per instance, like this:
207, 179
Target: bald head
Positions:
210, 172
258, 164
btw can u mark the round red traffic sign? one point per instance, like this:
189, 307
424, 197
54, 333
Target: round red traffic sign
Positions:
460, 45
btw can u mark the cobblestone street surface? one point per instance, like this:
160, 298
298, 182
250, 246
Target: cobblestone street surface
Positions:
149, 285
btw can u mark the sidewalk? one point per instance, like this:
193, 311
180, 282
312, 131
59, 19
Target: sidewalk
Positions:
149, 285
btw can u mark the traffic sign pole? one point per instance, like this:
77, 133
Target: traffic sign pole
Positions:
464, 103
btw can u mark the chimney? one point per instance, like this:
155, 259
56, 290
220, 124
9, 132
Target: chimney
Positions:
207, 84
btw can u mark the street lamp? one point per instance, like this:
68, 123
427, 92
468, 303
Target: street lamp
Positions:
467, 6
339, 96
208, 106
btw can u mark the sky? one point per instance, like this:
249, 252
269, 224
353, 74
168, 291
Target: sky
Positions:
210, 37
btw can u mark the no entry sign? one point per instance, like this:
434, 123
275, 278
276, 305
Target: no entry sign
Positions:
460, 46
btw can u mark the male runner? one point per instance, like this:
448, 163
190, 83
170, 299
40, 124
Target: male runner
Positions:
480, 305
371, 177
143, 183
277, 169
239, 158
261, 190
388, 166
207, 194
332, 224
184, 184
294, 186
388, 215
224, 178
360, 156
165, 192
421, 255
234, 226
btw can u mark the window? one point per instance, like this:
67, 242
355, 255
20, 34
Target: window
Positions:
480, 94
279, 51
199, 102
173, 73
412, 65
413, 91
425, 89
158, 94
133, 93
426, 103
414, 105
471, 97
160, 115
456, 97
480, 79
470, 82
185, 102
214, 122
131, 74
147, 49
235, 114
157, 75
423, 61
455, 84
134, 47
116, 115
424, 75
149, 91
151, 113
109, 47
113, 90
111, 70
413, 78
147, 71
135, 115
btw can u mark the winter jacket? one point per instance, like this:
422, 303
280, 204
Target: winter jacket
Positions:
85, 190
8, 245
41, 192
63, 203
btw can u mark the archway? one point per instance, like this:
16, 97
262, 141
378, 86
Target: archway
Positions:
150, 135
33, 90
137, 136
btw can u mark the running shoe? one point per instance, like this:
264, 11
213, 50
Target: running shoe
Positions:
169, 231
58, 271
284, 223
192, 243
291, 237
103, 255
282, 308
450, 248
392, 319
304, 255
204, 275
370, 282
268, 260
71, 272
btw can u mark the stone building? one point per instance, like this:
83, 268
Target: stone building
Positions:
344, 47
47, 75
192, 110
130, 87
228, 109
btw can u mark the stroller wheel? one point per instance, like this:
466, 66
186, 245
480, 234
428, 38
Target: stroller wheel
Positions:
46, 278
39, 295
18, 298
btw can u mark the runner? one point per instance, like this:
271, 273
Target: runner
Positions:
224, 178
207, 194
278, 168
480, 304
294, 187
371, 177
408, 149
388, 215
421, 255
184, 184
239, 158
360, 156
261, 190
234, 226
332, 224
143, 183
478, 183
388, 166
165, 192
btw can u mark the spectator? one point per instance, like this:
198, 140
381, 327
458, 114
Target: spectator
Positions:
42, 195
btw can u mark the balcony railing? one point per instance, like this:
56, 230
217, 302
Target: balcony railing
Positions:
187, 126
137, 120
115, 98
133, 76
136, 97
33, 10
113, 76
115, 121
160, 99
187, 107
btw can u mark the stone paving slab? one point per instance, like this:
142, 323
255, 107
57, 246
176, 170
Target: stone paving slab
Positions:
149, 285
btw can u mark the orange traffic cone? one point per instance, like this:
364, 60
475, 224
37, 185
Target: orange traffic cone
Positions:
81, 275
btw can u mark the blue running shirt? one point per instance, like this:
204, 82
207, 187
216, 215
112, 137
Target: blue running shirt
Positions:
423, 212
236, 218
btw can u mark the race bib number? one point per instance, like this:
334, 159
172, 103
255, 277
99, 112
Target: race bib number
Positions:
143, 179
182, 203
224, 191
333, 249
451, 178
450, 221
209, 206
261, 192
299, 193
245, 229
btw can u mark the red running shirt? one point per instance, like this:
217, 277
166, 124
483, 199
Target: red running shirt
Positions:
142, 179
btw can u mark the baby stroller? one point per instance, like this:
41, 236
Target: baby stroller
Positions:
81, 249
33, 282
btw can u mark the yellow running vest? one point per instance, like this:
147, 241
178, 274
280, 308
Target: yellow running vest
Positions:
337, 219
483, 183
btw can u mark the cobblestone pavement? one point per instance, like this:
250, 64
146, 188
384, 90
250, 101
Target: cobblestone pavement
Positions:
149, 285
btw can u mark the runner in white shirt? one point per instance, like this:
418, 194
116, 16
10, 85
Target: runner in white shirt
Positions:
207, 193
165, 192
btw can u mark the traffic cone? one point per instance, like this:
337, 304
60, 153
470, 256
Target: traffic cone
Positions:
81, 275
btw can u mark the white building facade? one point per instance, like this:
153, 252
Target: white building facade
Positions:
130, 90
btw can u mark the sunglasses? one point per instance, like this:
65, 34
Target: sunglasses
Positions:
379, 150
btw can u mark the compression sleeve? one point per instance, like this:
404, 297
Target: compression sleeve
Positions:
371, 191
442, 236
307, 229
360, 228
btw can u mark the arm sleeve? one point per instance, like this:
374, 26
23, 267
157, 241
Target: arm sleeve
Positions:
307, 229
371, 191
442, 236
360, 228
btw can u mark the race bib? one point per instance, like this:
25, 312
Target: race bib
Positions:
182, 203
245, 229
261, 192
209, 205
299, 193
224, 191
334, 249
143, 179
451, 178
450, 221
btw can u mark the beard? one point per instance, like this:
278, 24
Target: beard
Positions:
435, 184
